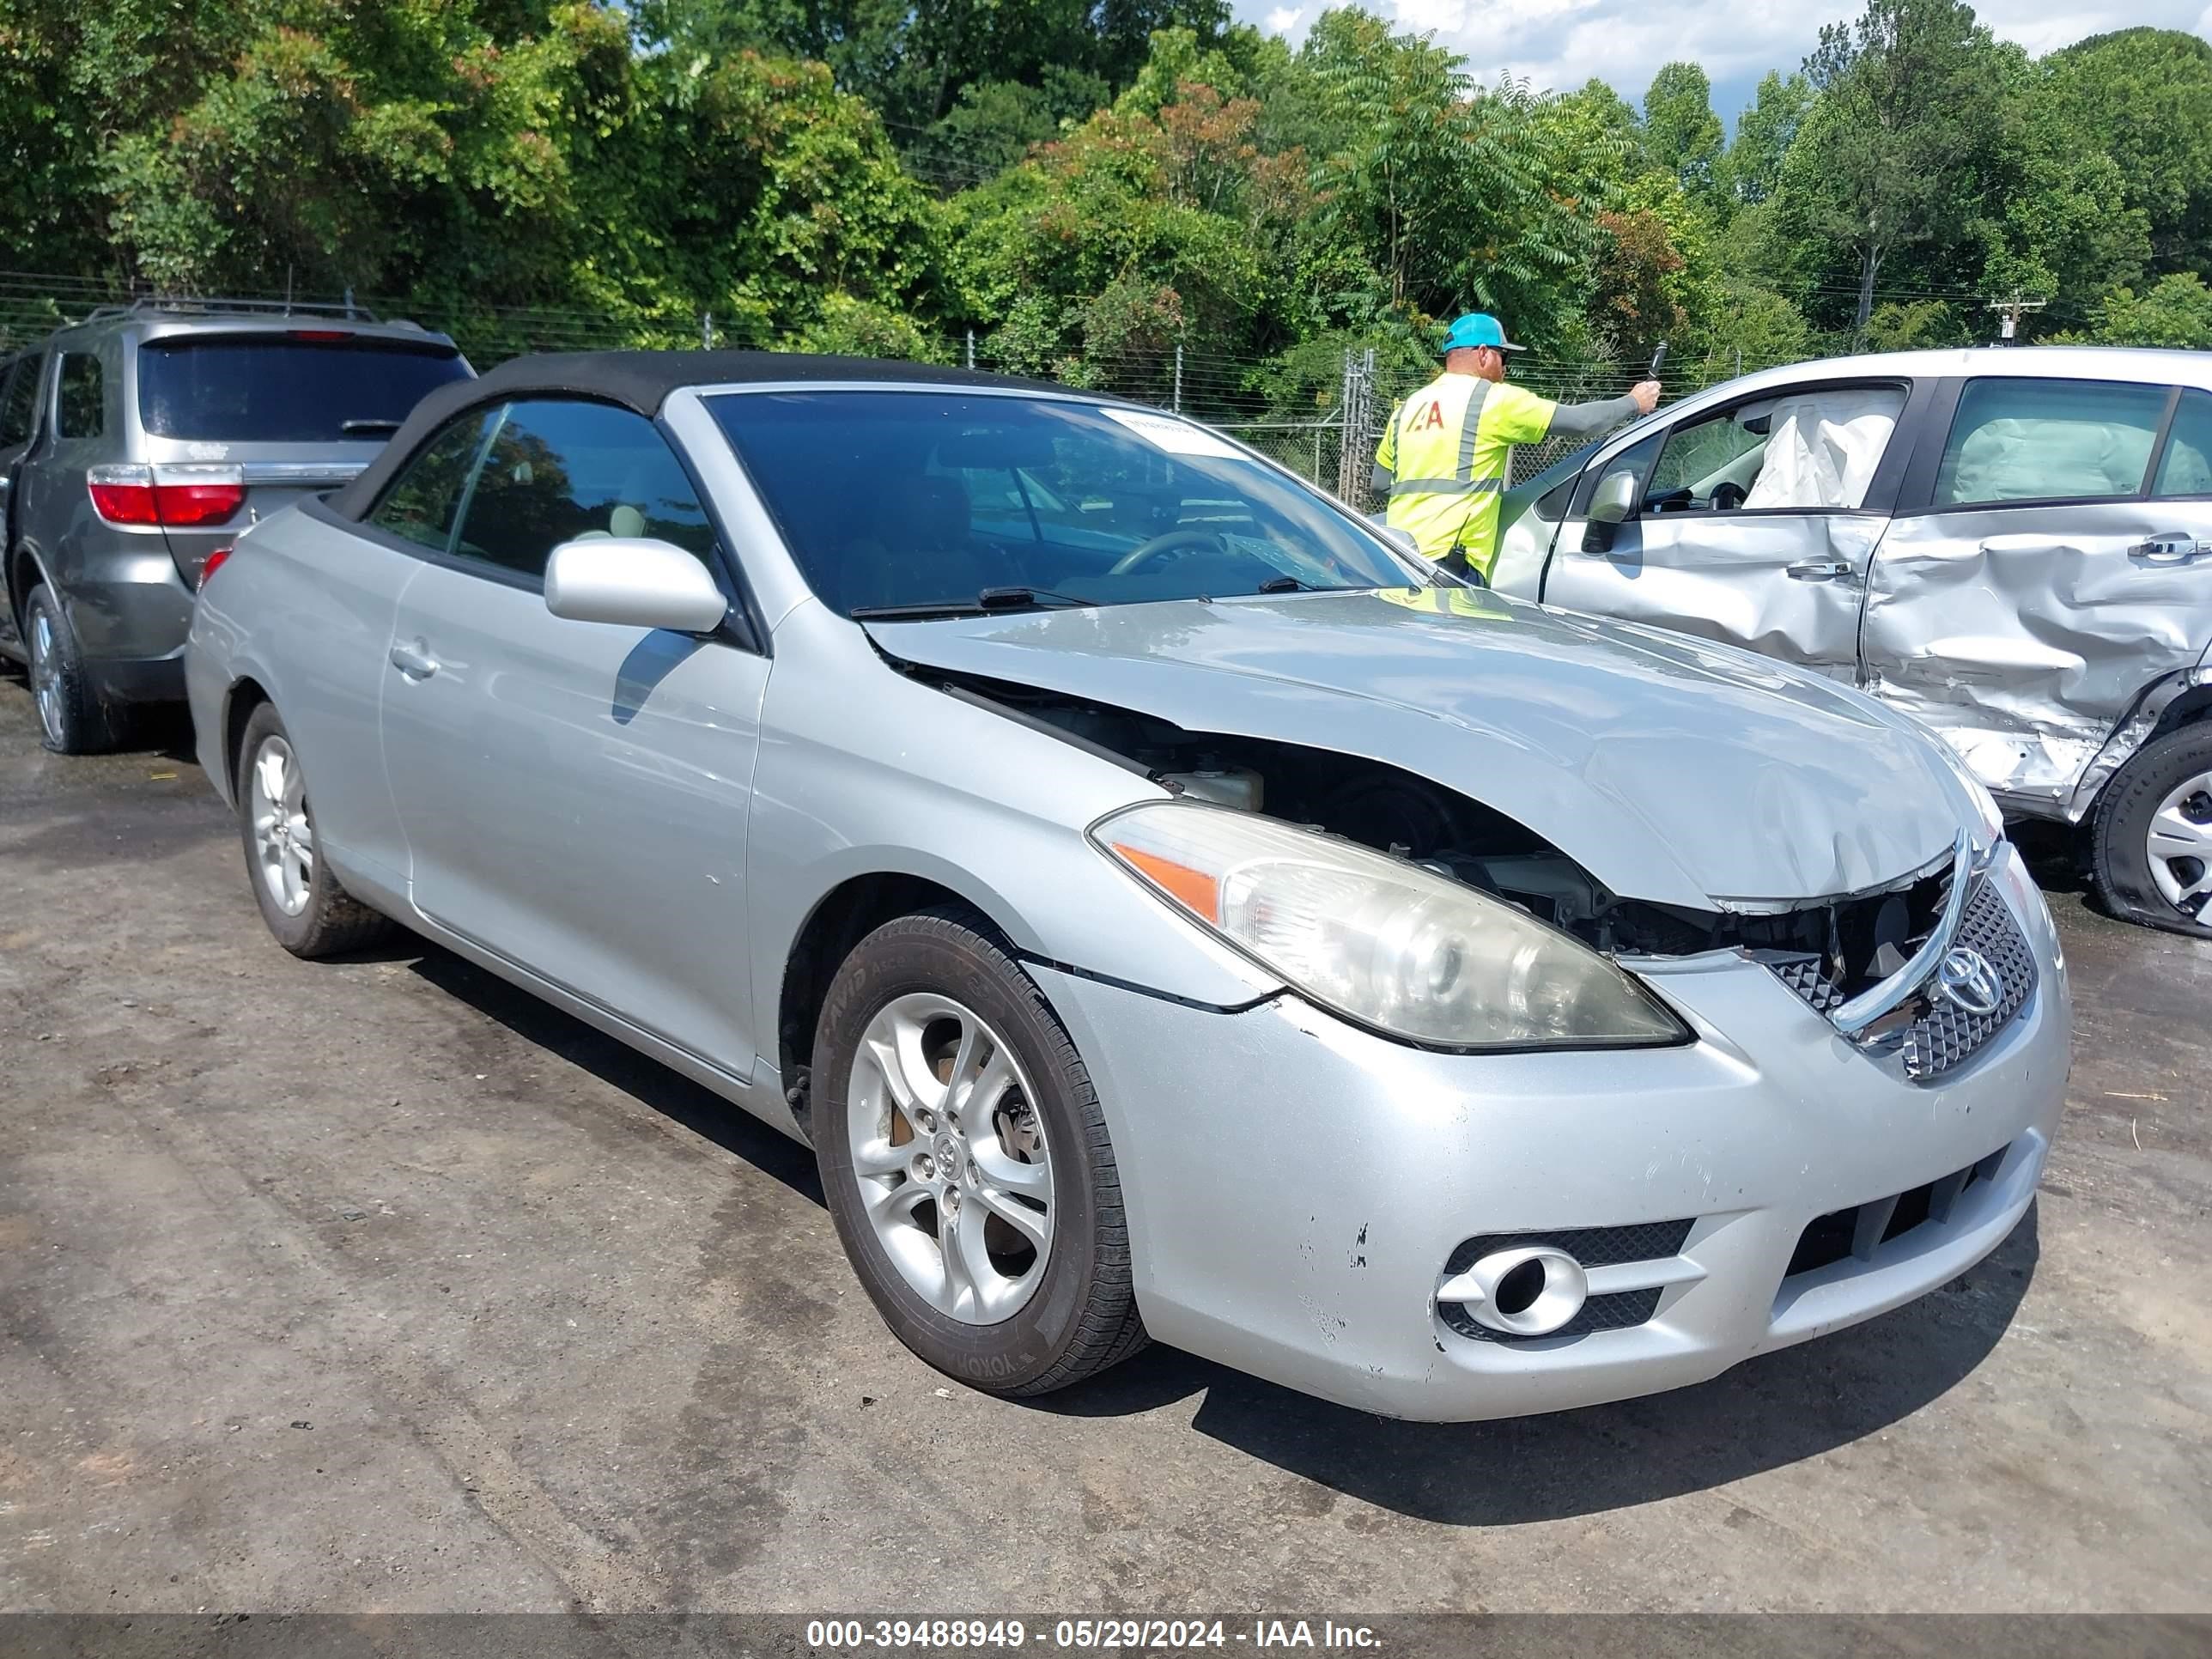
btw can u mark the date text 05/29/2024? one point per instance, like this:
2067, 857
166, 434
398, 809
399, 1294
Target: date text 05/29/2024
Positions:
1257, 1634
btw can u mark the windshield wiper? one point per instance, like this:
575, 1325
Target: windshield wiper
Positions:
1284, 584
1003, 598
990, 599
387, 427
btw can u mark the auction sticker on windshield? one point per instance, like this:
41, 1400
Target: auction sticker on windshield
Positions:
1176, 437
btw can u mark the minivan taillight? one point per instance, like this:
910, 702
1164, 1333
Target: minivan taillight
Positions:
187, 497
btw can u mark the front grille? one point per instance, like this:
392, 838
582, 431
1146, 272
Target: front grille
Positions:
1934, 1036
1615, 1312
1946, 1038
1865, 1228
1593, 1247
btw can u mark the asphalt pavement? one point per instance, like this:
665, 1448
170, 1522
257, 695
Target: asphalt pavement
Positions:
380, 1285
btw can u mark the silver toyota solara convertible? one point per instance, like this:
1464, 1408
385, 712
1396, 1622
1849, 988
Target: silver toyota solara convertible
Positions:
1164, 909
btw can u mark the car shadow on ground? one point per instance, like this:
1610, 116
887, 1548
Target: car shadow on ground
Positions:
1773, 1411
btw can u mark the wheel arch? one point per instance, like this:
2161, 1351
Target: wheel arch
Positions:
2166, 704
838, 921
246, 695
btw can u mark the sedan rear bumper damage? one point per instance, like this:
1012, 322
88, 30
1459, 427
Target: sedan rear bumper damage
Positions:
1713, 1202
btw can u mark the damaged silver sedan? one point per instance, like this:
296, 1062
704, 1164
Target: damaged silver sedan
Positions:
2013, 546
1163, 910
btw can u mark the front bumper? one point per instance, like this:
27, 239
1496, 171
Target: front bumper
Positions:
1297, 1189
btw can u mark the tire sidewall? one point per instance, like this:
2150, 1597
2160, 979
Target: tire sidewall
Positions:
916, 956
2122, 848
67, 675
292, 932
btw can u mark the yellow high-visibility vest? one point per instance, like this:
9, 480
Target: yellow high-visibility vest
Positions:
1446, 449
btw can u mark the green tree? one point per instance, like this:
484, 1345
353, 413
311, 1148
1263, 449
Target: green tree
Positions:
1680, 131
1764, 133
2139, 99
1886, 158
2177, 312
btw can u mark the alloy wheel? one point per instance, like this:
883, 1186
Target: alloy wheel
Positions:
950, 1154
2180, 843
283, 838
47, 673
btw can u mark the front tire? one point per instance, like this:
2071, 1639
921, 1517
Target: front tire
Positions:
302, 899
72, 720
2150, 839
966, 1163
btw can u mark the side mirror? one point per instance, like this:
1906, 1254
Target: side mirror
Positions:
1615, 500
1612, 505
1401, 539
633, 581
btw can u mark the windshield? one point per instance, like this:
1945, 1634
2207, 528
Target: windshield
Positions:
937, 500
282, 389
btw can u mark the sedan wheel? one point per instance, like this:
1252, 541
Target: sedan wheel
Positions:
965, 1161
950, 1157
301, 899
2150, 839
284, 840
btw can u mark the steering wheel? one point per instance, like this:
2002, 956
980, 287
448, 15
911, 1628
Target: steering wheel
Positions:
1159, 546
1727, 497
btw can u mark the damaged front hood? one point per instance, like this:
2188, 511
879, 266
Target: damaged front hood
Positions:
1672, 771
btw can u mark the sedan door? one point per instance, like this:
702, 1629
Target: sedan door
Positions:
1753, 524
576, 795
2054, 561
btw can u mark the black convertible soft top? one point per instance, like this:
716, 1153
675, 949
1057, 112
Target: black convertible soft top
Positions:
633, 379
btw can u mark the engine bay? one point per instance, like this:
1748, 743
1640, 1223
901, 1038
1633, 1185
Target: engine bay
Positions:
1858, 939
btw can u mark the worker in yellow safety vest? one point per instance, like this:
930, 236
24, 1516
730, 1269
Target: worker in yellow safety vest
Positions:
1442, 460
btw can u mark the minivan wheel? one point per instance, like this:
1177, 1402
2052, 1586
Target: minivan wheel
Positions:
72, 720
966, 1163
2151, 836
305, 907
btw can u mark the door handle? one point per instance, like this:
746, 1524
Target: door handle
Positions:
1819, 571
2169, 549
414, 661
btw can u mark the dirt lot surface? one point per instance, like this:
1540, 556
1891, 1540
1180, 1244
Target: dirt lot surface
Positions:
380, 1285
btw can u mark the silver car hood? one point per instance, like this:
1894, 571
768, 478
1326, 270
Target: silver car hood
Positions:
1673, 770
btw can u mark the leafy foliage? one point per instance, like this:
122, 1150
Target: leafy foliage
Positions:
1091, 184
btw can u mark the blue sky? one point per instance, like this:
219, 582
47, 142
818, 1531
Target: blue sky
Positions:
1560, 44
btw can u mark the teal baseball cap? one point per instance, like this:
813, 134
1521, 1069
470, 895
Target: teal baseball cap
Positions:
1476, 329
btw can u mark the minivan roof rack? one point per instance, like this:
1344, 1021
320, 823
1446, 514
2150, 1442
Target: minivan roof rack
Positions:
349, 309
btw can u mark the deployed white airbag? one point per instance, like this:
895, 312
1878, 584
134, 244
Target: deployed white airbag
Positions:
1823, 447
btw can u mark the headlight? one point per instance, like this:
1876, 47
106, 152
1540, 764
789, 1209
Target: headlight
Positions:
1383, 941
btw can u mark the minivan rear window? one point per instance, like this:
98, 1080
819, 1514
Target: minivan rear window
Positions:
282, 389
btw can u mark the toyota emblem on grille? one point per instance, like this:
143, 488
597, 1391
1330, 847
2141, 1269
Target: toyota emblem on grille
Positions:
1967, 982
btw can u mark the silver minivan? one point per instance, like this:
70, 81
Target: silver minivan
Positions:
2014, 546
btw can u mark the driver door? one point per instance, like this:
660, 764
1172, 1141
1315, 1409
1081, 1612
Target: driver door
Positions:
1753, 523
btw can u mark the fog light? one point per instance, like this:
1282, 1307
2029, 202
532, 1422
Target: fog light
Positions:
1532, 1290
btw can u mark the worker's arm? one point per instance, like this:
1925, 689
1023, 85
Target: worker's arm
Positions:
1591, 419
1379, 480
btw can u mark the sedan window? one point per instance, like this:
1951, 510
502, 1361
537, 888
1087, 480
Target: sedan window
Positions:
927, 500
560, 472
18, 401
2018, 440
2186, 467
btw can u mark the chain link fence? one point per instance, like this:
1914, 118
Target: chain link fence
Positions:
1321, 419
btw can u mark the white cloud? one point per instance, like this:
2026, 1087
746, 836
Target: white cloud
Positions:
1560, 44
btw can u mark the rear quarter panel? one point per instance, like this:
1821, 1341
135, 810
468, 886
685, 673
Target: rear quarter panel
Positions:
305, 610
